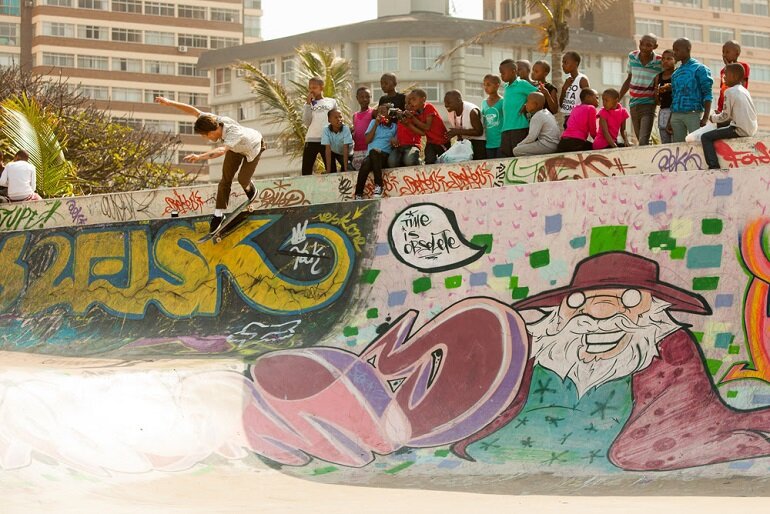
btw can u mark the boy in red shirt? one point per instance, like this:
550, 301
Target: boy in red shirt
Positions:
425, 118
731, 51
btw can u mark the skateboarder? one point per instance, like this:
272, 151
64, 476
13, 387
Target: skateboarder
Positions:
241, 146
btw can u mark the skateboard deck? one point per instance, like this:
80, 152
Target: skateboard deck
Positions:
231, 222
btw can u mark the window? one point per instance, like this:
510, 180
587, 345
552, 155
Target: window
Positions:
223, 42
223, 81
381, 58
228, 15
127, 35
474, 89
8, 59
123, 64
248, 110
127, 122
720, 34
59, 3
251, 26
93, 32
252, 4
127, 6
10, 7
192, 40
99, 5
189, 69
93, 62
433, 90
423, 57
58, 29
690, 31
513, 9
159, 9
649, 27
62, 60
762, 105
152, 37
94, 92
268, 67
196, 99
715, 66
475, 50
612, 71
191, 11
758, 7
288, 70
755, 39
161, 125
186, 128
159, 67
721, 5
686, 3
760, 73
125, 94
8, 34
151, 94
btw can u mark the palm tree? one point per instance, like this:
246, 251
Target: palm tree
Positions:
24, 124
552, 26
284, 102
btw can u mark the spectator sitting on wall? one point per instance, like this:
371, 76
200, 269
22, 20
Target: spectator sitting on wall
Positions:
544, 131
20, 178
465, 122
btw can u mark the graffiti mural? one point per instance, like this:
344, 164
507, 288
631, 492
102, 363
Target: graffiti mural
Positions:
575, 329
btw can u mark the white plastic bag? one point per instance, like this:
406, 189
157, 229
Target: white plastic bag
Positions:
694, 136
458, 152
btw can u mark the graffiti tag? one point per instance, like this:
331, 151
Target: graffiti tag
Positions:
281, 196
256, 332
124, 206
426, 237
580, 166
22, 217
441, 181
737, 159
184, 204
677, 159
78, 218
347, 224
307, 254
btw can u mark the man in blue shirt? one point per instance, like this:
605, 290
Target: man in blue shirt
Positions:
691, 86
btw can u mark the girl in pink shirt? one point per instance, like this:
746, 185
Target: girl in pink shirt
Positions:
361, 121
612, 119
581, 124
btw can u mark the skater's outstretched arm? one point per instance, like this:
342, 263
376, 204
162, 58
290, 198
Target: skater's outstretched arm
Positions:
188, 109
211, 154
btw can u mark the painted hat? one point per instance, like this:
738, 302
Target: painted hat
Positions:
619, 270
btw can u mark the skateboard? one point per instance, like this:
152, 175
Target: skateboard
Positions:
231, 222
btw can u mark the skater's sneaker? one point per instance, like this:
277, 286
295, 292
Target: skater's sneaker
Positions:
377, 192
251, 191
216, 221
358, 197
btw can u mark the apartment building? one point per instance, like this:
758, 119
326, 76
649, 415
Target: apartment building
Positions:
124, 53
405, 39
707, 23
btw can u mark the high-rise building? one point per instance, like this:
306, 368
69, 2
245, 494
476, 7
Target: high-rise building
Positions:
405, 39
123, 53
707, 23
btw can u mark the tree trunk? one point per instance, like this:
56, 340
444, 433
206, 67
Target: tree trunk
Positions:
556, 76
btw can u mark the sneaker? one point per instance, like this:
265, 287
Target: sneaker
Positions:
358, 197
251, 191
216, 221
377, 192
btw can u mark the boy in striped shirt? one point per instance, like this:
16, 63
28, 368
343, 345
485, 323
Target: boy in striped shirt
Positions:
643, 65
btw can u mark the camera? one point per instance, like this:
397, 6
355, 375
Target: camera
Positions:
394, 113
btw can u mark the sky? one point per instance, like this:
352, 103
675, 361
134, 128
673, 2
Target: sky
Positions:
281, 18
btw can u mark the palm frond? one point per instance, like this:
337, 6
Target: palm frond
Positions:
30, 127
283, 108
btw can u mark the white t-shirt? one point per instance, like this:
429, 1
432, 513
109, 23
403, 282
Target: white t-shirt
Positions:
572, 97
243, 140
20, 179
316, 117
464, 120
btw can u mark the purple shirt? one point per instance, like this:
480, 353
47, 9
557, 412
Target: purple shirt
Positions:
361, 120
615, 118
581, 123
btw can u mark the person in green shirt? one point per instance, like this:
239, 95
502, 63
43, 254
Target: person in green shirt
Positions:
515, 122
492, 116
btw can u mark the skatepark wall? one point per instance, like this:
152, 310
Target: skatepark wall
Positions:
443, 178
611, 328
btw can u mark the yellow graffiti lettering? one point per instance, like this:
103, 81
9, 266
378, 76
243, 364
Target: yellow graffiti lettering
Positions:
13, 275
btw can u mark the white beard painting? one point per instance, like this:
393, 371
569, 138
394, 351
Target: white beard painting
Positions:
570, 350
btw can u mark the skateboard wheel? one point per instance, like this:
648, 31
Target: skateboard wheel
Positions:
218, 239
251, 208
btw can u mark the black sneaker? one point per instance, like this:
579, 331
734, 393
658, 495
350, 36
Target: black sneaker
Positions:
251, 191
216, 221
